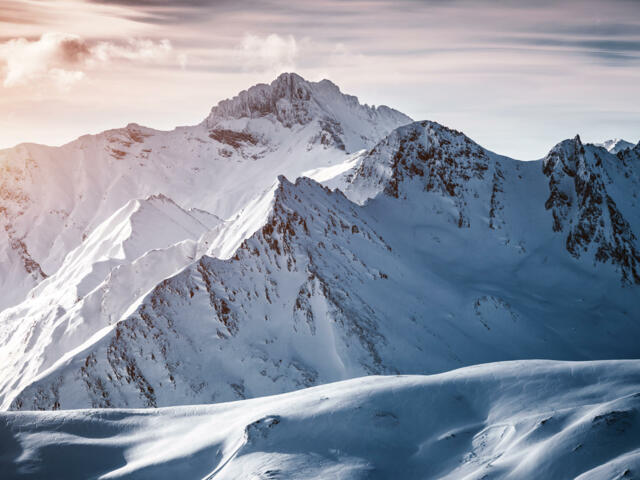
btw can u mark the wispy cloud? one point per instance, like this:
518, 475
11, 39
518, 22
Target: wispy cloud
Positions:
602, 48
14, 11
163, 12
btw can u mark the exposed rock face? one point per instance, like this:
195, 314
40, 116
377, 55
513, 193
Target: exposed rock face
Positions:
441, 160
292, 101
143, 357
21, 270
288, 98
585, 212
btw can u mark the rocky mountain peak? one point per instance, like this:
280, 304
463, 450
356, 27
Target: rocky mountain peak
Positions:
285, 98
584, 209
440, 159
293, 102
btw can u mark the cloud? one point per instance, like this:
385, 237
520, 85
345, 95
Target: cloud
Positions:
623, 50
64, 79
64, 59
141, 50
271, 53
164, 12
20, 12
52, 54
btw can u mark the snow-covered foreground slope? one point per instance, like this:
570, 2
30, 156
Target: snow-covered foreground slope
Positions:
51, 199
452, 256
515, 420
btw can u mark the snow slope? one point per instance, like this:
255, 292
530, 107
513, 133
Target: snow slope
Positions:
118, 263
451, 256
53, 198
514, 420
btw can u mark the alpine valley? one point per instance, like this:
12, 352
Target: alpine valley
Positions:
296, 238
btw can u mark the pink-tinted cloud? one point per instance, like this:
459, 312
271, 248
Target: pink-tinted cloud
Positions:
64, 59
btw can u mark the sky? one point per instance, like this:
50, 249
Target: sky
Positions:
517, 76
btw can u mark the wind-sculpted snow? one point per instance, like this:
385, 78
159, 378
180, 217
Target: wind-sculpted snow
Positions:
51, 199
274, 287
515, 420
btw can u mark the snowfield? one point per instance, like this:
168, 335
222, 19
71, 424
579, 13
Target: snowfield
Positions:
513, 420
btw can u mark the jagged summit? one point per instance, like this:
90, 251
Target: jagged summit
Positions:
338, 119
588, 204
587, 199
292, 99
440, 158
570, 148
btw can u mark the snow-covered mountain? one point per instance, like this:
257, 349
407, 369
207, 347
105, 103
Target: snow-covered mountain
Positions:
296, 238
116, 265
517, 420
51, 199
336, 119
438, 254
615, 145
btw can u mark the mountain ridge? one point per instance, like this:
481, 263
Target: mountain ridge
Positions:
52, 197
427, 253
371, 284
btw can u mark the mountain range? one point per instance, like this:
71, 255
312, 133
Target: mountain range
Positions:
296, 237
